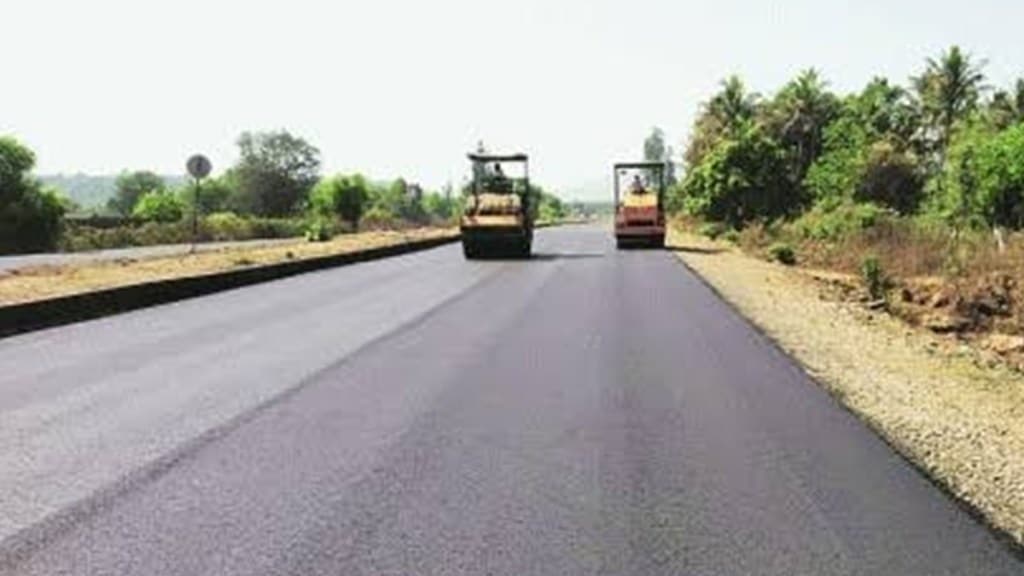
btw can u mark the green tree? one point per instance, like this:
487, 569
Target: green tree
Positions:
656, 150
130, 186
984, 182
866, 154
442, 205
215, 194
30, 215
1007, 107
797, 118
551, 208
399, 199
947, 91
890, 177
343, 196
158, 206
723, 116
955, 195
887, 111
274, 174
742, 179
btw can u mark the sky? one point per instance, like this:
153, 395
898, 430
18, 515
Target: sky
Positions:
405, 88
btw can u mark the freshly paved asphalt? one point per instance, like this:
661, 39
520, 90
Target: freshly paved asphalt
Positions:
585, 412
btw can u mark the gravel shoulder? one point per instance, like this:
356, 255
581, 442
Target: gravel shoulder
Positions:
959, 420
49, 281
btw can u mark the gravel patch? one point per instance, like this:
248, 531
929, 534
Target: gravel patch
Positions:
960, 421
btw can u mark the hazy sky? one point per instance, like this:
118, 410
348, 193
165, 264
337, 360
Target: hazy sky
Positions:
395, 88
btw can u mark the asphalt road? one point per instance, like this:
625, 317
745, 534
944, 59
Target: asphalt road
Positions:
19, 261
586, 412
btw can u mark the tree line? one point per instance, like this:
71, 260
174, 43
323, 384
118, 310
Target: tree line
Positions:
944, 148
275, 183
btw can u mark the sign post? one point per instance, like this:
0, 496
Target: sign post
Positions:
199, 167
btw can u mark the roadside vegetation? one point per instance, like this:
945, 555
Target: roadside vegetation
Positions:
914, 191
34, 283
274, 190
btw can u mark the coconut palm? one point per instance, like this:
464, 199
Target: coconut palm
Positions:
948, 91
798, 116
1007, 107
721, 117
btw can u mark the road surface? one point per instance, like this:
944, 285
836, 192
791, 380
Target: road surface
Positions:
19, 261
586, 412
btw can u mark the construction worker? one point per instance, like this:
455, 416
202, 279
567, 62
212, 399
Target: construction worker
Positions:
637, 187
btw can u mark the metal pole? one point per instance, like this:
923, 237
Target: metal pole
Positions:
195, 217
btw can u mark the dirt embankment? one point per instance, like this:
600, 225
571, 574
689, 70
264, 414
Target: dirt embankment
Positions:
954, 409
42, 282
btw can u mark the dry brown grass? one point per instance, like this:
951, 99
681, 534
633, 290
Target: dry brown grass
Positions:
40, 283
959, 419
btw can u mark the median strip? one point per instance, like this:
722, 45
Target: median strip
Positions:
46, 296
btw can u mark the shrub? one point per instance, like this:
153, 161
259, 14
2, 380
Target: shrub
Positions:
277, 227
318, 230
152, 233
731, 236
834, 222
712, 230
223, 226
340, 196
378, 218
158, 206
874, 278
783, 253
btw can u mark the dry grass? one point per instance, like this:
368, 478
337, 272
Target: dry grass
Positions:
39, 283
960, 420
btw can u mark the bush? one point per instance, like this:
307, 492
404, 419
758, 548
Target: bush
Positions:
224, 226
874, 278
712, 230
731, 236
159, 207
377, 218
834, 222
277, 227
318, 230
783, 253
340, 196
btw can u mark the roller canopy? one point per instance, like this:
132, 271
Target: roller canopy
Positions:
498, 157
637, 165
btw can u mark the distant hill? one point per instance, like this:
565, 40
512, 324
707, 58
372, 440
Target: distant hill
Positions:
93, 191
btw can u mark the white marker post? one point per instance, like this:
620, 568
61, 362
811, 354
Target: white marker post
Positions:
199, 167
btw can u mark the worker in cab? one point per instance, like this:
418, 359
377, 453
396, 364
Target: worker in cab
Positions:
637, 187
500, 181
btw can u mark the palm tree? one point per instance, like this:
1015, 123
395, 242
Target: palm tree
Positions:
798, 117
733, 105
721, 117
947, 91
1007, 107
886, 109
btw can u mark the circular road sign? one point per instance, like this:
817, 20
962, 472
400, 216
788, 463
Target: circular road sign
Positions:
199, 166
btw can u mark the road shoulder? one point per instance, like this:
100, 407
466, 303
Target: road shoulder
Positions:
959, 421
